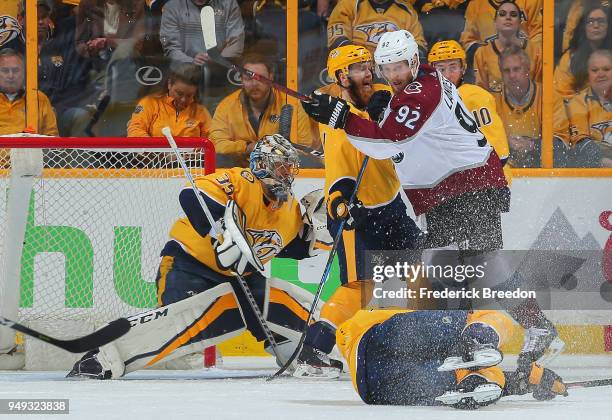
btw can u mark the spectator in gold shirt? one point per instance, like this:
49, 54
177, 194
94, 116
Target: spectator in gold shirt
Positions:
363, 22
479, 22
520, 106
12, 98
177, 107
589, 116
571, 74
252, 112
507, 23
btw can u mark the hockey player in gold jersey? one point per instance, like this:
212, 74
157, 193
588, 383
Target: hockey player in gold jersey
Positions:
363, 22
379, 220
448, 57
508, 33
402, 357
261, 220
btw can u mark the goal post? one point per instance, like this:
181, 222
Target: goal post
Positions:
82, 223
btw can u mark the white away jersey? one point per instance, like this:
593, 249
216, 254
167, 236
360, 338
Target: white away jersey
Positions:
434, 141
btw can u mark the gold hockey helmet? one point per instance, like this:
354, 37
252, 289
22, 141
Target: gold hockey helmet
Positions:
342, 57
446, 50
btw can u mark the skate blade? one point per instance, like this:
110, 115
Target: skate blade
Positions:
481, 394
482, 358
554, 349
305, 371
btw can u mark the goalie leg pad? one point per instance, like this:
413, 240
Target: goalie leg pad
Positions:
180, 328
287, 308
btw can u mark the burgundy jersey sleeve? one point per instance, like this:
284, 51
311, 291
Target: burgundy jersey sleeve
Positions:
406, 115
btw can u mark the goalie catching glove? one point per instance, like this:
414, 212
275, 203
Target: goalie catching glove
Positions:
234, 250
327, 110
315, 221
338, 209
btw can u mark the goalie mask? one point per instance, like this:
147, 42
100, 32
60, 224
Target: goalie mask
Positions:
275, 162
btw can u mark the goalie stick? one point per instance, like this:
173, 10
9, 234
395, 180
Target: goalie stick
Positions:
207, 21
328, 265
104, 335
214, 228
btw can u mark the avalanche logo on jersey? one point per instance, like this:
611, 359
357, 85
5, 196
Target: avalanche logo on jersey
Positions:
414, 87
374, 31
9, 30
266, 243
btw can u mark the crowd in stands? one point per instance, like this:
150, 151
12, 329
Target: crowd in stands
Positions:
142, 65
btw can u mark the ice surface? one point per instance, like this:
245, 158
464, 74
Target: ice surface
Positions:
209, 394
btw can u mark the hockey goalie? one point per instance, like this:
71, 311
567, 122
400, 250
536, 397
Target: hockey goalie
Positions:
200, 301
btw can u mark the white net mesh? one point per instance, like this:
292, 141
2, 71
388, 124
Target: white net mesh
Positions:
95, 223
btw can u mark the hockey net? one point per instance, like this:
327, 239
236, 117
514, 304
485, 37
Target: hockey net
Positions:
82, 223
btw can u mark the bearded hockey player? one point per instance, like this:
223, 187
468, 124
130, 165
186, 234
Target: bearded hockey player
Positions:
200, 300
446, 166
377, 221
437, 358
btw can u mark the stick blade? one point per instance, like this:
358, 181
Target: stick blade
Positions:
207, 20
99, 338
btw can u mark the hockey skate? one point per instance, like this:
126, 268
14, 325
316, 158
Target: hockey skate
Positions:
88, 367
315, 364
471, 393
484, 356
475, 355
541, 345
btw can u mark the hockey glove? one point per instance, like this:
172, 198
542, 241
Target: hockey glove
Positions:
327, 110
235, 250
315, 221
338, 208
378, 103
542, 382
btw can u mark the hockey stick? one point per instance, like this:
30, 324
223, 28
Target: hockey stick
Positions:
215, 233
589, 384
102, 105
104, 335
284, 121
328, 265
207, 21
284, 129
310, 151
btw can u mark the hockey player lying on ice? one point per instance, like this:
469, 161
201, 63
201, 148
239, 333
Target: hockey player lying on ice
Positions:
403, 357
446, 166
200, 300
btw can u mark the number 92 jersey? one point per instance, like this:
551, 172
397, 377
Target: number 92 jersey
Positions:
438, 150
